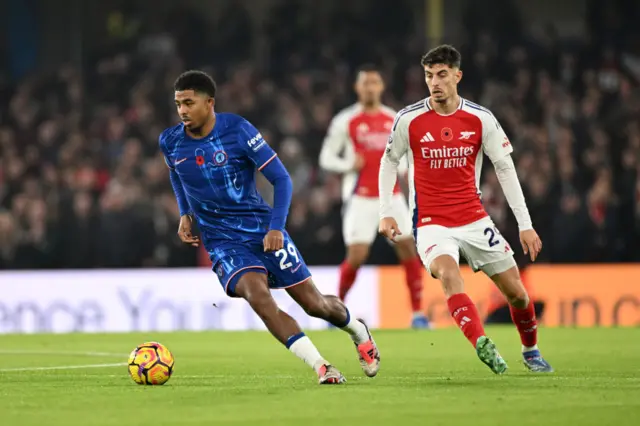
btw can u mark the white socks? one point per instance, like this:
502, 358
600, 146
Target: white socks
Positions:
529, 348
304, 349
357, 330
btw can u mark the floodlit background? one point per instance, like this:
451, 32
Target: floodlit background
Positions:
86, 87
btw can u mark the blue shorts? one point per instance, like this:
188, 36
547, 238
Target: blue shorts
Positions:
284, 268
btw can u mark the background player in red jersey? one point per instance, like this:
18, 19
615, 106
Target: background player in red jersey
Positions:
353, 147
444, 137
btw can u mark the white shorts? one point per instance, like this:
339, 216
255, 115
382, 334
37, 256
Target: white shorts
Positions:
479, 242
361, 219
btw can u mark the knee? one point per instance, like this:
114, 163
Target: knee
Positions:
406, 249
357, 256
517, 295
259, 297
452, 282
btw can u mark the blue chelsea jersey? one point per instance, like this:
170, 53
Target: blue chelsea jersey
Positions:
217, 174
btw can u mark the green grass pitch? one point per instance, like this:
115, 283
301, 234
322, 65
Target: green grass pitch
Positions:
426, 378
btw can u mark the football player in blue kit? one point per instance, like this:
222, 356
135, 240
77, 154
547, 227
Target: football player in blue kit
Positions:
213, 158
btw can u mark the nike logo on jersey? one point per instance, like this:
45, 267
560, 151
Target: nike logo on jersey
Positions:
181, 161
466, 135
427, 138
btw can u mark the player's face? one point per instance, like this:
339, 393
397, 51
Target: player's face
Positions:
442, 81
194, 108
369, 87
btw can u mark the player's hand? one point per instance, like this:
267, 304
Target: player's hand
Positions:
184, 231
358, 163
389, 228
274, 240
531, 243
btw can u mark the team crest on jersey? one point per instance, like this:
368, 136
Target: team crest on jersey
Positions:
220, 158
362, 128
446, 134
220, 270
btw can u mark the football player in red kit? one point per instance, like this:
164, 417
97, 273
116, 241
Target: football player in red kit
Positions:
444, 138
353, 147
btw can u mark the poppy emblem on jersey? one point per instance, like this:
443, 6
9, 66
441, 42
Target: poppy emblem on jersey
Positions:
199, 160
220, 158
446, 134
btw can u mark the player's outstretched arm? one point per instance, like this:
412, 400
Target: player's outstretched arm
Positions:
508, 178
277, 174
397, 148
337, 154
497, 146
267, 162
185, 226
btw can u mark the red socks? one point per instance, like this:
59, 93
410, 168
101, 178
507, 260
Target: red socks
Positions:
465, 314
347, 278
526, 323
413, 277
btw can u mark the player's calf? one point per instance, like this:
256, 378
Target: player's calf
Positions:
524, 318
464, 312
405, 249
253, 287
333, 310
356, 256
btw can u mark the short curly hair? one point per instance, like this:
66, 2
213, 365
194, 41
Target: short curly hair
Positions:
198, 81
443, 54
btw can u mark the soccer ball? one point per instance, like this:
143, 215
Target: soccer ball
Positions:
151, 363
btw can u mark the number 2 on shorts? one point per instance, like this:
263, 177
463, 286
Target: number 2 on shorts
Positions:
283, 253
492, 236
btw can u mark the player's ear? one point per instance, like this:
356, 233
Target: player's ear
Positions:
458, 75
212, 102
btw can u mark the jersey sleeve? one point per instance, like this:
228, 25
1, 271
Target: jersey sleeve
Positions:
495, 142
165, 153
254, 145
176, 183
336, 155
396, 149
398, 143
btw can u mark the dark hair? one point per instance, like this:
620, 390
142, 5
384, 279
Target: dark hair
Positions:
443, 54
198, 81
368, 68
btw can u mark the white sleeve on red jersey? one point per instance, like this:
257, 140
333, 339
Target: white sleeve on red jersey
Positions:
495, 142
403, 167
396, 150
498, 148
337, 154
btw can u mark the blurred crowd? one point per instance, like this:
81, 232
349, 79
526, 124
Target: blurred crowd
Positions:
82, 182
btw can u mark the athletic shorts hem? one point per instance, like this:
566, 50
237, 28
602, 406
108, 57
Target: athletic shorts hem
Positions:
293, 285
230, 285
436, 254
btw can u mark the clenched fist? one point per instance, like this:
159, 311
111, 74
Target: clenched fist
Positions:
274, 240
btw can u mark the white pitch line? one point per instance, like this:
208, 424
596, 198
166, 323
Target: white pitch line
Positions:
62, 367
61, 353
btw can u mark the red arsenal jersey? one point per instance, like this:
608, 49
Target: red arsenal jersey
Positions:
354, 131
445, 159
